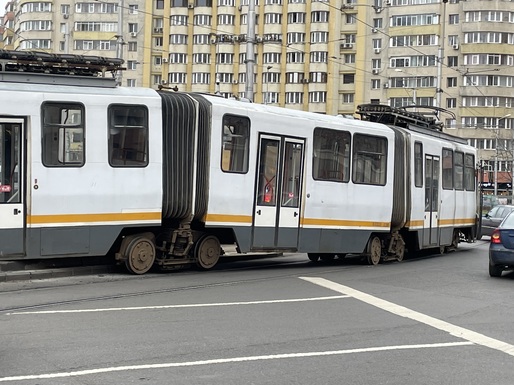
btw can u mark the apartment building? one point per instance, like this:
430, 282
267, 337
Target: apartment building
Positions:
322, 56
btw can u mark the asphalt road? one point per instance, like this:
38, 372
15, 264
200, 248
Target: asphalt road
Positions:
427, 320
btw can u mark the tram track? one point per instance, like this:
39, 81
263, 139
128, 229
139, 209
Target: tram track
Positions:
331, 267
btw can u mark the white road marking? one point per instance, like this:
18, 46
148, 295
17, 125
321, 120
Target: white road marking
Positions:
228, 360
178, 306
393, 308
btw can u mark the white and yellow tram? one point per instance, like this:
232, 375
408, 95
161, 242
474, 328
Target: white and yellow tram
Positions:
88, 168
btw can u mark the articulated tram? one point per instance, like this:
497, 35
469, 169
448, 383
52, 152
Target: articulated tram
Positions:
88, 168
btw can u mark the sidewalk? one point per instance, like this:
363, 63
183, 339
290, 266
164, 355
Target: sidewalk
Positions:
27, 270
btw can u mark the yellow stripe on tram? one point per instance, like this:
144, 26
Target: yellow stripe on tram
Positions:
91, 218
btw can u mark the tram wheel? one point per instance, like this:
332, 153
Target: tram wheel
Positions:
207, 252
140, 255
313, 257
374, 251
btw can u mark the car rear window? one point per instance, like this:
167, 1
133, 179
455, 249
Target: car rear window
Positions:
508, 221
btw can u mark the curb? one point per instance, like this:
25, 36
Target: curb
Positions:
27, 275
11, 271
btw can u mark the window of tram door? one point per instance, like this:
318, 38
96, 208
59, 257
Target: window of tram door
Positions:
128, 136
268, 173
63, 134
291, 175
9, 163
235, 144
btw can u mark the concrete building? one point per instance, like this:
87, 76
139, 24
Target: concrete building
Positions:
322, 56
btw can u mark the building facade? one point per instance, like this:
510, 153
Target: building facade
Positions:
321, 56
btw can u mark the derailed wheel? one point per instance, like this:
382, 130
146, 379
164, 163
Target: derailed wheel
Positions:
140, 255
374, 250
207, 252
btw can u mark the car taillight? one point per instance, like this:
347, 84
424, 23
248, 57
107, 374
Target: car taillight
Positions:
495, 237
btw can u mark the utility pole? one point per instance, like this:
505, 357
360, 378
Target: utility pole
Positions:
119, 41
250, 51
440, 54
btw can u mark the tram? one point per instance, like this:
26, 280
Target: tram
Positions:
89, 168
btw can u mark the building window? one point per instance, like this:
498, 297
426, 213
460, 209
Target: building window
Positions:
198, 58
317, 97
318, 77
318, 57
271, 58
294, 97
174, 20
226, 19
451, 103
375, 84
132, 46
451, 82
131, 83
349, 58
348, 98
201, 78
177, 78
202, 20
453, 61
348, 78
319, 37
319, 17
133, 9
453, 19
295, 57
296, 18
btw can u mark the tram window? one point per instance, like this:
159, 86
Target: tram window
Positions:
63, 134
458, 168
418, 164
447, 169
469, 172
369, 160
331, 155
128, 136
235, 143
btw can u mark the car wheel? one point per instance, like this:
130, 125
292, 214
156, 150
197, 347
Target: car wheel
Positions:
495, 271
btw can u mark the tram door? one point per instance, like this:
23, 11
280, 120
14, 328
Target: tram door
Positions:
278, 192
12, 213
431, 221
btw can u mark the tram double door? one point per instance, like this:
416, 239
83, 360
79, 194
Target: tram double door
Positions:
278, 190
431, 220
12, 211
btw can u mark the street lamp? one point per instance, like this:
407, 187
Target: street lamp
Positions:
496, 156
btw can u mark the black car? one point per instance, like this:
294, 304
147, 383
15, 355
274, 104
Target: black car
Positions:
501, 248
493, 218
